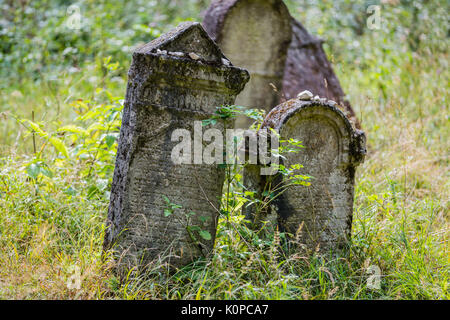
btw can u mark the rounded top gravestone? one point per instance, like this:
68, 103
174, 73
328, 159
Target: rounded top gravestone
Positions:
333, 149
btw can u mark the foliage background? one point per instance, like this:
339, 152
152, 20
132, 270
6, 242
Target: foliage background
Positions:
61, 94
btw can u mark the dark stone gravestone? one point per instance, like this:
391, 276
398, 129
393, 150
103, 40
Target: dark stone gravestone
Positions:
254, 34
174, 81
307, 68
333, 150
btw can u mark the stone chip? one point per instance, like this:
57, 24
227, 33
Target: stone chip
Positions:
194, 56
177, 54
305, 95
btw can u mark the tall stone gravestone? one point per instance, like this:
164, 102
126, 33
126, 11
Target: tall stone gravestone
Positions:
254, 34
261, 36
333, 150
174, 80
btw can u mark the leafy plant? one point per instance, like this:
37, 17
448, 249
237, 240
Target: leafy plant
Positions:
195, 231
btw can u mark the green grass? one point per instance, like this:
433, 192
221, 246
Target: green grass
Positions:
52, 222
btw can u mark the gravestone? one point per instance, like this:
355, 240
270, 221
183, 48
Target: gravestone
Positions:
333, 150
255, 35
261, 36
307, 68
174, 80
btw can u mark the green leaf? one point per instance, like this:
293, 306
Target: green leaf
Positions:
208, 122
59, 146
70, 191
33, 170
194, 228
205, 234
92, 191
73, 129
224, 212
37, 129
167, 212
222, 166
46, 172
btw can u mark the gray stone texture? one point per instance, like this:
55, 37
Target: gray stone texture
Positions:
261, 36
174, 80
333, 150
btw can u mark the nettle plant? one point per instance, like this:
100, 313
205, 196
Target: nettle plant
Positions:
88, 145
238, 197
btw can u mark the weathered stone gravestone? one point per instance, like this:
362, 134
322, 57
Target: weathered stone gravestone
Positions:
254, 34
307, 68
333, 150
174, 80
261, 36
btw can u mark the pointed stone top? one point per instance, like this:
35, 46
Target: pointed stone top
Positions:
188, 40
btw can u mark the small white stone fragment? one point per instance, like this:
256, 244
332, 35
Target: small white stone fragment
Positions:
305, 95
161, 51
332, 103
316, 98
226, 62
177, 54
194, 56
